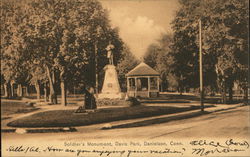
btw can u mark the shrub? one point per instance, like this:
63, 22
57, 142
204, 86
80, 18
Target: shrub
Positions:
112, 102
133, 101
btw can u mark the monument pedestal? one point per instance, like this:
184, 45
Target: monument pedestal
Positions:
111, 88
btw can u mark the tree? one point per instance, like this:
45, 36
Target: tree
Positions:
229, 26
13, 66
159, 57
151, 54
85, 42
126, 63
57, 41
184, 48
224, 26
38, 78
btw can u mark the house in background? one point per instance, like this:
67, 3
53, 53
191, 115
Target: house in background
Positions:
143, 81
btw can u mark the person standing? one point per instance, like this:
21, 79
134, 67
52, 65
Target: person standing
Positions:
90, 102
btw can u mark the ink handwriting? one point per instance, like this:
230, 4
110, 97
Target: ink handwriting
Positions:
198, 147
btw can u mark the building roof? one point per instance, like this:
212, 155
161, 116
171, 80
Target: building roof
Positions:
142, 70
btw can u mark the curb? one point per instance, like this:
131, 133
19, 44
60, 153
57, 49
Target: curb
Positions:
38, 130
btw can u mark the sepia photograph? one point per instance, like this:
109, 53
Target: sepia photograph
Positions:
125, 78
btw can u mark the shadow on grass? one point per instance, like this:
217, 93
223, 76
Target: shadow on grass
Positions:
13, 98
159, 120
9, 107
4, 118
67, 118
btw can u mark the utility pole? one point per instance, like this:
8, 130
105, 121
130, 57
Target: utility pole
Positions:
201, 73
96, 70
98, 32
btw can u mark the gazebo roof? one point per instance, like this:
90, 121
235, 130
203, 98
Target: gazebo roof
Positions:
142, 70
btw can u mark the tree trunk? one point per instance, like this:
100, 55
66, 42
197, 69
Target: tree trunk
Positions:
63, 93
27, 90
20, 90
181, 84
180, 90
245, 99
6, 93
230, 93
54, 83
7, 90
223, 93
45, 93
38, 91
52, 94
12, 94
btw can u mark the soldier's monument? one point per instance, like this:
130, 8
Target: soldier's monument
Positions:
111, 88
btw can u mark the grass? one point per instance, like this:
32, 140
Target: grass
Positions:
67, 118
10, 107
184, 98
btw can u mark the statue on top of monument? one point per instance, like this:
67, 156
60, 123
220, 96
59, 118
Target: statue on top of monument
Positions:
110, 53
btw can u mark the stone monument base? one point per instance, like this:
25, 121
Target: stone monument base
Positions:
110, 95
111, 88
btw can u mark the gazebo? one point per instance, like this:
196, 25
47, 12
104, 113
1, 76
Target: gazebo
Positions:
143, 81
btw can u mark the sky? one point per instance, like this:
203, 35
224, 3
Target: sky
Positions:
141, 22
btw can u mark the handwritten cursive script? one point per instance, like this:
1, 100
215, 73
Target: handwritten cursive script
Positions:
207, 147
204, 151
200, 147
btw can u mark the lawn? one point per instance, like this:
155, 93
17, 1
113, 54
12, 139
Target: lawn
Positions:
67, 118
11, 107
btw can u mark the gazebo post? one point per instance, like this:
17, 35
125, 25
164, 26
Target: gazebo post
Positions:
135, 86
158, 83
148, 86
128, 86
